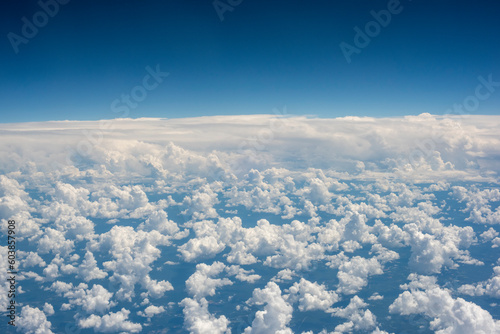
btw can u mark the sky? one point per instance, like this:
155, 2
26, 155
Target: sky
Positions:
249, 58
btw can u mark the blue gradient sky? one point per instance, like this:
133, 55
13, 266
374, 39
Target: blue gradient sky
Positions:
264, 55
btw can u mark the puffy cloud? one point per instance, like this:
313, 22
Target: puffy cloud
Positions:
478, 203
285, 246
48, 309
258, 195
55, 242
324, 167
376, 296
359, 319
490, 287
88, 270
158, 221
15, 204
242, 274
383, 254
277, 311
96, 299
284, 275
144, 146
204, 247
132, 253
198, 320
351, 229
51, 272
353, 273
317, 191
112, 322
489, 235
151, 311
311, 296
430, 252
495, 242
200, 204
33, 321
31, 259
449, 315
202, 283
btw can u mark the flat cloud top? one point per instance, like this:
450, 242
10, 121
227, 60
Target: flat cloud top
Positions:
419, 148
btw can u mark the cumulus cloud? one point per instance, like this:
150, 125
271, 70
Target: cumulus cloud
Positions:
489, 235
448, 314
132, 253
112, 322
311, 296
490, 287
158, 221
198, 320
151, 311
97, 299
202, 283
478, 203
284, 275
358, 317
277, 311
353, 273
55, 242
343, 193
242, 274
406, 146
33, 321
88, 270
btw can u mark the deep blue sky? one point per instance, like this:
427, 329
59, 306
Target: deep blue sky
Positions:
265, 54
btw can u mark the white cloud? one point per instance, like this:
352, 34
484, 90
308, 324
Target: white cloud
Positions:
489, 235
158, 221
31, 259
478, 203
359, 319
198, 320
112, 322
200, 204
55, 242
490, 287
88, 270
284, 275
449, 315
204, 247
242, 274
311, 296
430, 252
384, 145
309, 172
94, 300
376, 296
33, 321
48, 309
132, 253
353, 273
202, 284
277, 311
151, 311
